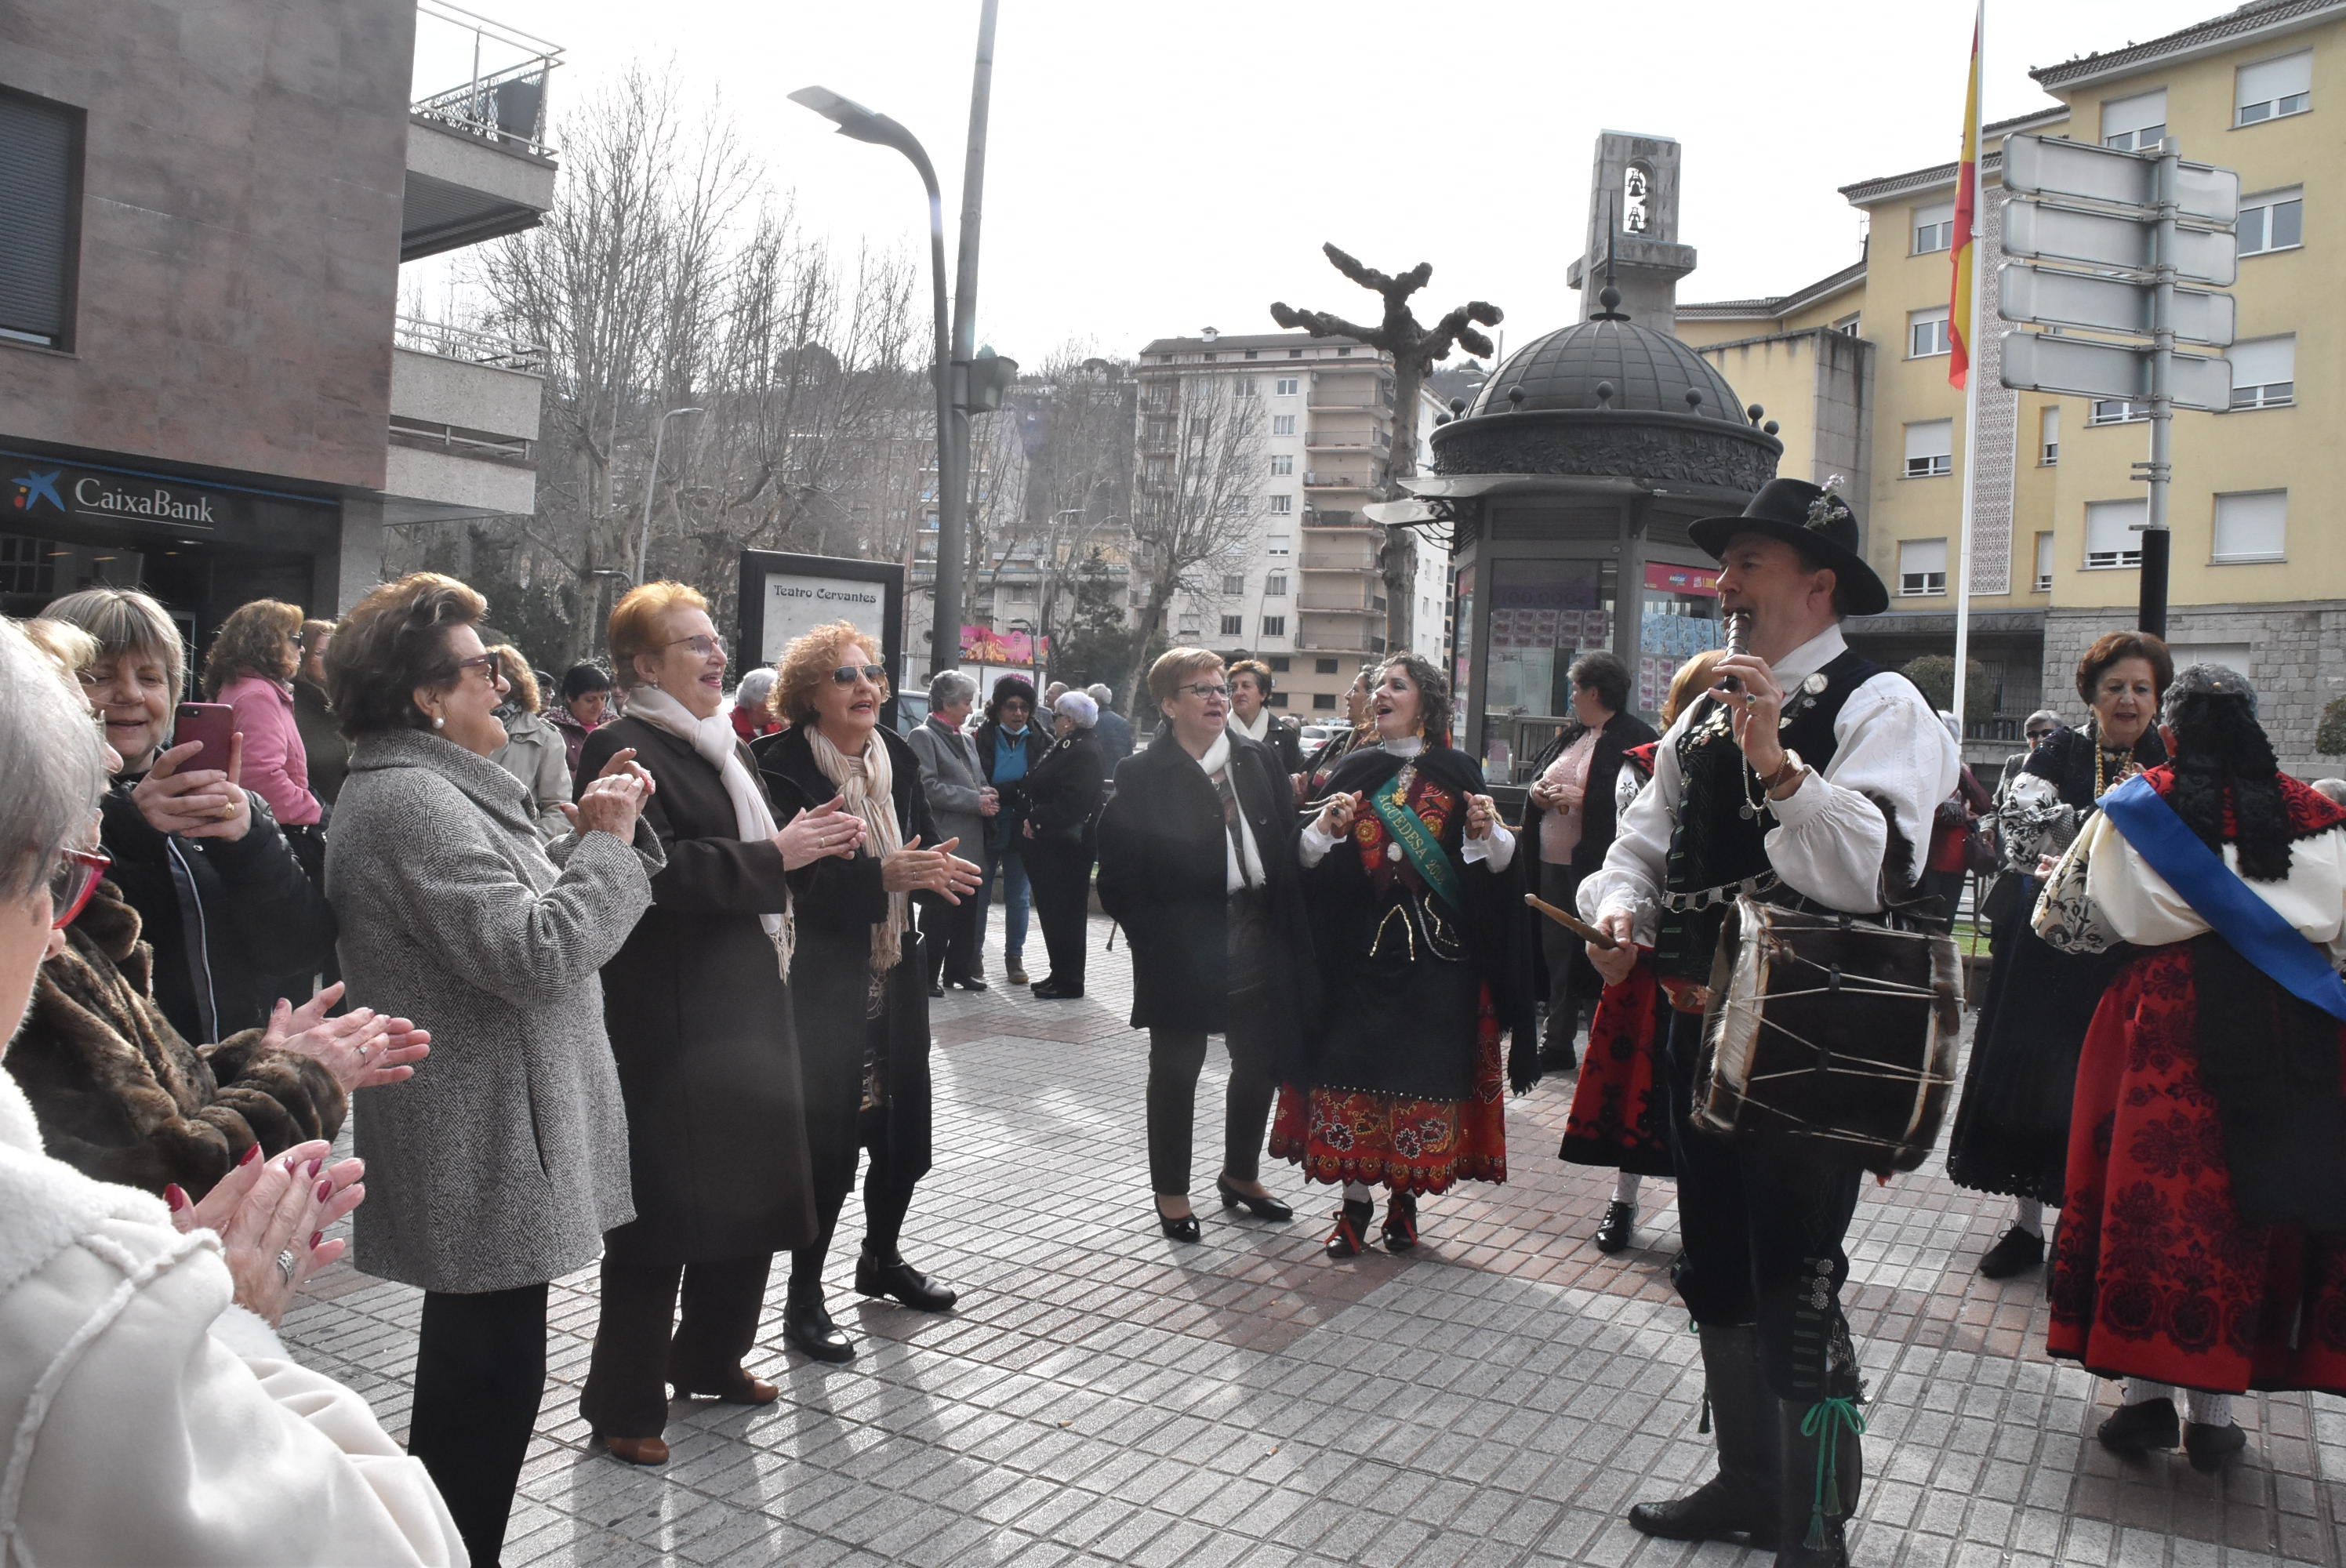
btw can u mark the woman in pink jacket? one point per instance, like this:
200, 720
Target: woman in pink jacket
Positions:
250, 668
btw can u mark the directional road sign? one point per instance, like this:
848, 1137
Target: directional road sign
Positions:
2051, 165
2051, 297
2041, 361
2036, 228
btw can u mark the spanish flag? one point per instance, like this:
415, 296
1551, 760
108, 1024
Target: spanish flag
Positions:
1959, 302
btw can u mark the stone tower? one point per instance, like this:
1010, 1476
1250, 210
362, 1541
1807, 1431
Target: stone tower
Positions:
1634, 204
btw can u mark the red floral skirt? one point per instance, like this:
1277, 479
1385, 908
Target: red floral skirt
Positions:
2155, 1274
1409, 1145
1620, 1107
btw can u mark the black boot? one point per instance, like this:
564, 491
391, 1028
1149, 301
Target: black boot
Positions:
1824, 1467
806, 1325
1556, 1055
1738, 1503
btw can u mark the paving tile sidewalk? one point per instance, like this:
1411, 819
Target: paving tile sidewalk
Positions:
1500, 1397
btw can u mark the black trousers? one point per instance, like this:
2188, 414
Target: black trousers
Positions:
1569, 973
1060, 872
886, 1200
480, 1376
949, 933
641, 1347
1176, 1056
1762, 1223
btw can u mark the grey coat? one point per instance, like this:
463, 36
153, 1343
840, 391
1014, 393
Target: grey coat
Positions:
504, 1159
533, 753
949, 782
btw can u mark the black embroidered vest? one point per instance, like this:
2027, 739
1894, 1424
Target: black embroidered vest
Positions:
1714, 844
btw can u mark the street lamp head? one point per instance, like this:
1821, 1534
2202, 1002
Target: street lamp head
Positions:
852, 117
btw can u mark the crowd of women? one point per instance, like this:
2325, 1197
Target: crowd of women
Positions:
645, 989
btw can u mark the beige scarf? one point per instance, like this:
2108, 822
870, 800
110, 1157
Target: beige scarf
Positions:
867, 787
714, 741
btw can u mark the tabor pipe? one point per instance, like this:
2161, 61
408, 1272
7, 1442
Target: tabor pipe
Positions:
1573, 924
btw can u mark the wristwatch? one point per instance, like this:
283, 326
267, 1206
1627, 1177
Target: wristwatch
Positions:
1789, 769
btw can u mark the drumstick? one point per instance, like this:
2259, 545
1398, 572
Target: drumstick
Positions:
1573, 924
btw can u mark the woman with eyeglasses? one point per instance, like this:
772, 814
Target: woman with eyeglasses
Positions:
859, 985
1197, 862
697, 1004
254, 658
500, 1165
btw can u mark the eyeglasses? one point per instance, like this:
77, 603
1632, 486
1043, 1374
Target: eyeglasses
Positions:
845, 674
490, 664
297, 640
1206, 688
701, 642
73, 881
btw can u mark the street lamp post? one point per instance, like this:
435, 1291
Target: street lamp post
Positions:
651, 483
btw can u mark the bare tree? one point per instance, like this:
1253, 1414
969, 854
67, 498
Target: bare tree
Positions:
1416, 351
1195, 502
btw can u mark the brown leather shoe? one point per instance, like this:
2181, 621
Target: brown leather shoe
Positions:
740, 1388
635, 1451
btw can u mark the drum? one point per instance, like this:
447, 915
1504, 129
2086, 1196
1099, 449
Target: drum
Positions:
1832, 1030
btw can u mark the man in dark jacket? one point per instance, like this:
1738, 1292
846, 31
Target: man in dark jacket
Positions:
1114, 731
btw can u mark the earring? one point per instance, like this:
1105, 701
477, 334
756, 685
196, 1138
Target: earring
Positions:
437, 721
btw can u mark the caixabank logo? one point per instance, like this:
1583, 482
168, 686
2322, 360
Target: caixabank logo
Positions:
30, 490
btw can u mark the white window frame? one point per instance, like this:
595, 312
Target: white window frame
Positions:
1279, 544
2043, 579
2132, 113
1931, 229
1934, 321
2118, 410
2267, 391
2048, 434
1938, 459
2219, 556
1282, 424
1232, 626
1243, 386
1282, 505
1233, 584
2265, 77
2267, 205
2126, 556
1284, 386
1852, 325
1282, 465
1274, 626
1922, 580
1275, 585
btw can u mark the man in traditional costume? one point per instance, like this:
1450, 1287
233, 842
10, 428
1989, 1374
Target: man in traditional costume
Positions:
2203, 1245
1805, 778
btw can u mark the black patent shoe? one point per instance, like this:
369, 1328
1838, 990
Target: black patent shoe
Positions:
1400, 1228
1178, 1228
2139, 1428
936, 989
1051, 989
2213, 1448
877, 1276
2017, 1253
807, 1327
1613, 1232
968, 982
1263, 1207
1347, 1240
1718, 1509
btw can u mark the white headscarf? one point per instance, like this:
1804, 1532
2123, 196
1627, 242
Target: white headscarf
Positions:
867, 787
713, 740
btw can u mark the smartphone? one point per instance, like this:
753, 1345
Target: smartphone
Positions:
212, 723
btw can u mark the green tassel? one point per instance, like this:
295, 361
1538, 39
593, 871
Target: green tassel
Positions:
1824, 1421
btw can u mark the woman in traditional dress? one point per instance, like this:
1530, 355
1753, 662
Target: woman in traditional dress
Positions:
1620, 1107
2204, 1242
1353, 734
1416, 899
2012, 1129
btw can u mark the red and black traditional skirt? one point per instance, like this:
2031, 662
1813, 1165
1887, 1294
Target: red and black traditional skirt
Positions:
1391, 1140
1620, 1109
2156, 1275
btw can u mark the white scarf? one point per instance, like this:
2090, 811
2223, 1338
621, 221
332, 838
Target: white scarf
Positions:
1260, 729
1234, 876
714, 741
867, 787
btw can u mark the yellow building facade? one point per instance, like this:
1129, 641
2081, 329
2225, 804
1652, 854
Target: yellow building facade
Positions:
2259, 578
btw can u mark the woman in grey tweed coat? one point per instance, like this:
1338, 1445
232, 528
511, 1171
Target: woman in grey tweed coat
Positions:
501, 1166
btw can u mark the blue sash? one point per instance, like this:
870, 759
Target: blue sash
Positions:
2218, 895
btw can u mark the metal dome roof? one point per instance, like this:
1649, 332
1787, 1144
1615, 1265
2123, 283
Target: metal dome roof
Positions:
1612, 363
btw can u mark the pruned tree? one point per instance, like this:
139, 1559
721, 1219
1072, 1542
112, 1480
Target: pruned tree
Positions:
1194, 504
1416, 351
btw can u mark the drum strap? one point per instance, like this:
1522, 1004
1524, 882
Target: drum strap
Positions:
1725, 894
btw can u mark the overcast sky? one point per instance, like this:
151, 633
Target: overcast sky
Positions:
1160, 166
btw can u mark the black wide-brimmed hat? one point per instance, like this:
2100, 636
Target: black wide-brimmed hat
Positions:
1812, 519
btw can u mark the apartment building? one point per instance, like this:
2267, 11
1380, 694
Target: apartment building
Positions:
1305, 595
203, 386
1855, 364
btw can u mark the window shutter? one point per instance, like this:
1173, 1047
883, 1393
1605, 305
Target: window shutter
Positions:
2253, 526
2263, 363
2111, 539
1922, 556
2123, 116
36, 154
1930, 438
2270, 80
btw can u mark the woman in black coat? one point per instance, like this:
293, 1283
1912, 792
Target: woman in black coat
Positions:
698, 1014
1568, 823
1009, 744
1063, 800
1196, 860
858, 984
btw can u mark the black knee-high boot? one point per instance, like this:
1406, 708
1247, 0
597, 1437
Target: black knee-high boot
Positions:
1740, 1503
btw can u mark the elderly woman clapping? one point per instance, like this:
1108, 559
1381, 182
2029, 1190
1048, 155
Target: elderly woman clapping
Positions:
501, 1165
860, 989
157, 1419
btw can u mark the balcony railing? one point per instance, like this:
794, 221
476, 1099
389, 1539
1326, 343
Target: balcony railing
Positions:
1355, 600
447, 341
501, 96
1327, 517
1348, 440
1335, 481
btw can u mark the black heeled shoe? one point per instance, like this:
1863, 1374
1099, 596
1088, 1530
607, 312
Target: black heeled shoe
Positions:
1263, 1207
807, 1326
1400, 1228
891, 1275
1613, 1230
1178, 1228
1057, 991
1351, 1225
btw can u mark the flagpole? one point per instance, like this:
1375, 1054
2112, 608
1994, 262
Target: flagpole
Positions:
1971, 381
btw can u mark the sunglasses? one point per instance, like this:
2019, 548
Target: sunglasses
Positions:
71, 884
846, 674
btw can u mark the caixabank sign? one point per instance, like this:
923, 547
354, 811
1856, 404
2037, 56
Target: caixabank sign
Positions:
45, 494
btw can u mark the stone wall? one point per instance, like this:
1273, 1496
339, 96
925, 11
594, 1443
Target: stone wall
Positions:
2297, 658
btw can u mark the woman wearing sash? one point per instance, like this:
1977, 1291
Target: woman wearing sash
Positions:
1620, 1107
2204, 1241
1416, 898
2011, 1128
